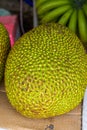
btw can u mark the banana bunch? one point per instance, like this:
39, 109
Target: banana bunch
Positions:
71, 13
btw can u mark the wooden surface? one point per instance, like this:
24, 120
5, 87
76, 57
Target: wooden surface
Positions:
12, 120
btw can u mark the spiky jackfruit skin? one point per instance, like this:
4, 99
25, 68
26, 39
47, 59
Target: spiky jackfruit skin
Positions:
4, 49
46, 72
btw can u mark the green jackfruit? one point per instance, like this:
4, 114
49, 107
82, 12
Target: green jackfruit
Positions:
4, 49
46, 72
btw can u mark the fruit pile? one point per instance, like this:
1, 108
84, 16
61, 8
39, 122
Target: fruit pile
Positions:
45, 72
71, 13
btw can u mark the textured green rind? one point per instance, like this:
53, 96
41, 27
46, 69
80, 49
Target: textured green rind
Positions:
4, 49
46, 72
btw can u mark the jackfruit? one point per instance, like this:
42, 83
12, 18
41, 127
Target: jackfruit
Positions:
46, 72
4, 49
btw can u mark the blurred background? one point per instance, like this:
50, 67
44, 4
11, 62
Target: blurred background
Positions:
13, 6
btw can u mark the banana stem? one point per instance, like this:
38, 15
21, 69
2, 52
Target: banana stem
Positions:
79, 3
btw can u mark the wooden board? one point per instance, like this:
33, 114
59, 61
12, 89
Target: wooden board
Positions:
12, 120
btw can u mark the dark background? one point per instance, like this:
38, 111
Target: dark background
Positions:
14, 7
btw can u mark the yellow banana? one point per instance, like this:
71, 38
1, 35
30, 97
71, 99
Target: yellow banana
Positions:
73, 21
65, 17
47, 6
54, 14
82, 25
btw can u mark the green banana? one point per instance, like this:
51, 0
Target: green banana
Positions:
82, 25
54, 14
85, 8
49, 5
39, 2
73, 21
65, 17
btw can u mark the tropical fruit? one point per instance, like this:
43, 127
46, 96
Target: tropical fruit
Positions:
46, 72
4, 49
71, 13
